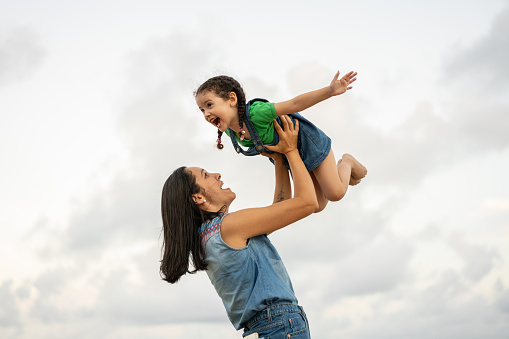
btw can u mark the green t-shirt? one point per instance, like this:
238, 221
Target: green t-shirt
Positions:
261, 114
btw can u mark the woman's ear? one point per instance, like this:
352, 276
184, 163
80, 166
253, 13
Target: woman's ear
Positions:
233, 99
199, 199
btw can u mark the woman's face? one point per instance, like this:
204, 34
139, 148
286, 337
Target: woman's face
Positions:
213, 196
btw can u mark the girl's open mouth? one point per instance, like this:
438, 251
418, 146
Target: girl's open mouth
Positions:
216, 122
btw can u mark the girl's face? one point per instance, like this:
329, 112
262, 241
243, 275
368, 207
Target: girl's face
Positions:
213, 196
219, 112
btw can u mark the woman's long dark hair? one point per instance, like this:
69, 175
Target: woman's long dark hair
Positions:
223, 85
182, 219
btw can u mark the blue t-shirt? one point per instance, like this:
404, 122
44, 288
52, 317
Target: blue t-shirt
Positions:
247, 279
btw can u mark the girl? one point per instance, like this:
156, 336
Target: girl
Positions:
222, 101
233, 248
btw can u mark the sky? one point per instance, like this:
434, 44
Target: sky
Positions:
97, 109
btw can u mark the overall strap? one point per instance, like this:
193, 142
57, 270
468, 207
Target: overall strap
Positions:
258, 145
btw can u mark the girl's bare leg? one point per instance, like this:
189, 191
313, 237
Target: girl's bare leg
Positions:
334, 178
322, 200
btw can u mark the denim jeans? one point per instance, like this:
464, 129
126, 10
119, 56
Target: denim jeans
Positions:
279, 322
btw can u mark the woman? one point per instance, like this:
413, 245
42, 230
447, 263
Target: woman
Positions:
233, 248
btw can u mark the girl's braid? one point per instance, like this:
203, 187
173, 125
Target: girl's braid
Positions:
219, 135
222, 85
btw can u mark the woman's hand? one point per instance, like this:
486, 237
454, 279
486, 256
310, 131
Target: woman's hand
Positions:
288, 135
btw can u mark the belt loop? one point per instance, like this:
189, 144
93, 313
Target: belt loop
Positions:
268, 314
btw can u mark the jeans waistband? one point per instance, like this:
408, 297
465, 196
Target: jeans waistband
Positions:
270, 311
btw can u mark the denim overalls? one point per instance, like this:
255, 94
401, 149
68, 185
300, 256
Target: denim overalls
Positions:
313, 144
258, 147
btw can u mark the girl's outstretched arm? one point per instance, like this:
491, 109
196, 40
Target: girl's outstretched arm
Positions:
306, 100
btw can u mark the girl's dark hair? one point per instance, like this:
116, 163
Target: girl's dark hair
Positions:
223, 85
182, 219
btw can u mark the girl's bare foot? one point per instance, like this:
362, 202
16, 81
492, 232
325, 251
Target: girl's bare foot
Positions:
358, 170
353, 181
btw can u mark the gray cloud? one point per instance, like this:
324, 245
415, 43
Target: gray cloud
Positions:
480, 125
152, 301
477, 79
485, 63
51, 281
445, 309
23, 292
433, 300
9, 308
49, 312
376, 268
503, 298
121, 301
49, 286
478, 260
21, 53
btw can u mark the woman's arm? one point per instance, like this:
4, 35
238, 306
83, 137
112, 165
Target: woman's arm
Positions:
283, 187
306, 100
239, 226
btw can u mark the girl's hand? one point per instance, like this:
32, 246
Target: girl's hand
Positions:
342, 85
287, 136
